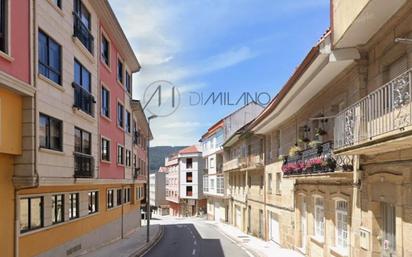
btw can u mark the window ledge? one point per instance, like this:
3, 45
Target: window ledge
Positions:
105, 161
339, 251
83, 49
51, 82
105, 65
105, 117
120, 165
51, 151
84, 115
6, 56
120, 84
317, 239
60, 11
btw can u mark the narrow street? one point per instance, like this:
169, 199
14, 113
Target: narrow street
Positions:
193, 237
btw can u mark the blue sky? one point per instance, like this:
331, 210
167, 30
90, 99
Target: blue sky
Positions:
207, 46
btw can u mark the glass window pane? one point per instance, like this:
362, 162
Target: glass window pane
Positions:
36, 212
54, 57
24, 214
77, 73
43, 131
55, 134
77, 140
85, 79
86, 143
43, 48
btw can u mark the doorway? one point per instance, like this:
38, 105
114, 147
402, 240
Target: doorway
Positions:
388, 243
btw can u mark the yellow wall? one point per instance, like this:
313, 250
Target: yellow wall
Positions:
10, 122
38, 242
7, 211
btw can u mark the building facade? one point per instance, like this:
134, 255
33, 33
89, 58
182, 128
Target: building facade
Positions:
69, 186
158, 192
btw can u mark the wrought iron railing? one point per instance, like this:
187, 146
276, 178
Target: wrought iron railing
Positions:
82, 32
384, 110
83, 165
83, 99
316, 160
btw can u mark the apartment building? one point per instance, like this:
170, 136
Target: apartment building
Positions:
215, 183
72, 186
184, 182
158, 192
336, 138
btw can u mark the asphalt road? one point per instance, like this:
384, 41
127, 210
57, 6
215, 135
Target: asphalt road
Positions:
193, 240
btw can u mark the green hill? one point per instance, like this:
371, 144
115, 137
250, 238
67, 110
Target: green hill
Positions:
159, 153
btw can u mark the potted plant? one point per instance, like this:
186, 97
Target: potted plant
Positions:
314, 143
304, 140
320, 132
294, 150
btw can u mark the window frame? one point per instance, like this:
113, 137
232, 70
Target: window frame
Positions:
5, 26
128, 157
319, 217
119, 197
48, 132
128, 122
128, 81
76, 204
187, 163
341, 212
46, 65
82, 131
120, 73
55, 212
104, 37
102, 155
102, 109
83, 70
122, 161
110, 199
120, 115
29, 212
93, 198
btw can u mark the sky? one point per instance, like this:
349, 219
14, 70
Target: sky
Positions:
231, 47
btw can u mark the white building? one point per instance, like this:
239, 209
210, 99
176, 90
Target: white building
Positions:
184, 182
158, 192
214, 183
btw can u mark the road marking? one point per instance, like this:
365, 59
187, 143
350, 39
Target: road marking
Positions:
194, 252
193, 236
195, 242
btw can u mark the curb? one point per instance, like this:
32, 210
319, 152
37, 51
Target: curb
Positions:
148, 246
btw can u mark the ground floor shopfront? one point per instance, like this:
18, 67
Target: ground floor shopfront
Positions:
70, 219
187, 207
217, 209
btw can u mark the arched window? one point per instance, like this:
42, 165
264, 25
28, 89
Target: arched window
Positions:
342, 234
319, 218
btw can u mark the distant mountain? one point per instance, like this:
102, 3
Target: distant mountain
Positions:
159, 153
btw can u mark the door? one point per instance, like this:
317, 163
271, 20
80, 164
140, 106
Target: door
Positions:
274, 228
388, 230
260, 223
303, 224
238, 218
218, 212
249, 215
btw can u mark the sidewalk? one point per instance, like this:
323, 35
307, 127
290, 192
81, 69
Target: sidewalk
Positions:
255, 245
133, 245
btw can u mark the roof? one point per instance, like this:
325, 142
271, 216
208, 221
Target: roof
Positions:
190, 149
162, 169
137, 107
237, 134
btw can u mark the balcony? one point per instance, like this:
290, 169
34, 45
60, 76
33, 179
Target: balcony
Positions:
231, 165
316, 161
379, 122
252, 161
83, 100
83, 33
214, 184
83, 166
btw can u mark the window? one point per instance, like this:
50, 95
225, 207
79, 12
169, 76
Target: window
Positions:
74, 205
105, 150
105, 48
261, 182
249, 181
319, 218
3, 25
189, 177
50, 133
120, 71
342, 225
119, 197
120, 115
212, 184
128, 123
57, 208
82, 25
58, 3
134, 160
128, 82
212, 163
31, 213
83, 161
120, 155
110, 198
83, 99
270, 183
105, 102
127, 195
189, 163
189, 191
128, 158
49, 58
93, 202
278, 180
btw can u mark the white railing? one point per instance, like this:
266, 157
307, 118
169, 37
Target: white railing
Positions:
384, 110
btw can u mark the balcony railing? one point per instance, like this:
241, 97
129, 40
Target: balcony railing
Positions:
83, 166
82, 32
316, 160
231, 165
251, 161
385, 110
83, 99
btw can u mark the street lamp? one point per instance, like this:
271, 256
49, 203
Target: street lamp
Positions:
148, 179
